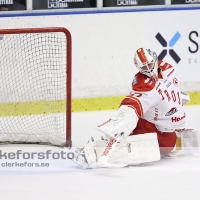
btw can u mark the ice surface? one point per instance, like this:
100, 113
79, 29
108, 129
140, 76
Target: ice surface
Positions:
174, 178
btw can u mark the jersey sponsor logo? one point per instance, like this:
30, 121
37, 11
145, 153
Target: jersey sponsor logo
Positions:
171, 112
177, 119
156, 114
168, 84
175, 81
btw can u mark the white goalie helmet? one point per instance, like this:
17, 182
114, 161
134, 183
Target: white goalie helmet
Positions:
147, 62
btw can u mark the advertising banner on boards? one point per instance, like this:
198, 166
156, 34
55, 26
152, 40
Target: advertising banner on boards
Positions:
176, 39
62, 4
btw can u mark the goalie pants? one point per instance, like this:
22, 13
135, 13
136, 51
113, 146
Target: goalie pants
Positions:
166, 140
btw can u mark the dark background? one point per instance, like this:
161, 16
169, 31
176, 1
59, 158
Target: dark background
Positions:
17, 5
43, 4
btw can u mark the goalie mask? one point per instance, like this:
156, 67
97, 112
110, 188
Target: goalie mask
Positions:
147, 62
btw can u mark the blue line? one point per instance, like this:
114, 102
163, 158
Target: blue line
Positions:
96, 12
175, 38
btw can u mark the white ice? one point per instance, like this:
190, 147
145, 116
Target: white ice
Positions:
174, 179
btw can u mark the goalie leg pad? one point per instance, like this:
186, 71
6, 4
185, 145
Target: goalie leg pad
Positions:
133, 150
142, 148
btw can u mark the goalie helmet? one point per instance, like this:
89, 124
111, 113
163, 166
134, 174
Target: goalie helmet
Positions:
147, 62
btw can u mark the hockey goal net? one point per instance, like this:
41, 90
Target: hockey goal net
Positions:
35, 86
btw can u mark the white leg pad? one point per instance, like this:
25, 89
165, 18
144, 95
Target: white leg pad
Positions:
142, 148
190, 141
133, 150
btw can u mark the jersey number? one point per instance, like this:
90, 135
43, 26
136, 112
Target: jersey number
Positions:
136, 94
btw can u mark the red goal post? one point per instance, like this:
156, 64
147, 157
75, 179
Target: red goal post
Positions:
35, 85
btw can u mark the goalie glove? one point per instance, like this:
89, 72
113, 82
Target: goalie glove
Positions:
189, 141
124, 121
185, 97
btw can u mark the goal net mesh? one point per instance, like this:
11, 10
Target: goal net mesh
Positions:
33, 88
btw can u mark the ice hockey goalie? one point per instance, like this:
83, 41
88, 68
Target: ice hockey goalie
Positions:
148, 123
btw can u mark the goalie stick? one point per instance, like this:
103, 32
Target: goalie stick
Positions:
107, 152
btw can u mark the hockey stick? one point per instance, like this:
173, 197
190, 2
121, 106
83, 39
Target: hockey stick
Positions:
103, 159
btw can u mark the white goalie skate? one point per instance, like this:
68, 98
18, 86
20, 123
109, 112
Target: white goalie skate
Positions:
80, 158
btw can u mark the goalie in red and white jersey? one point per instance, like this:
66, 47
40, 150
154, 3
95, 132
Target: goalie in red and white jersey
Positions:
146, 123
156, 99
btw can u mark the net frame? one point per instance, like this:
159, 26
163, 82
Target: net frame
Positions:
68, 66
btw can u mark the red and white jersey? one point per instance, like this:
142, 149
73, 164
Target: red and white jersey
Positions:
158, 102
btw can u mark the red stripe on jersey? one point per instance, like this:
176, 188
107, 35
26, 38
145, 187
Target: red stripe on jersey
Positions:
170, 73
133, 102
141, 55
164, 65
